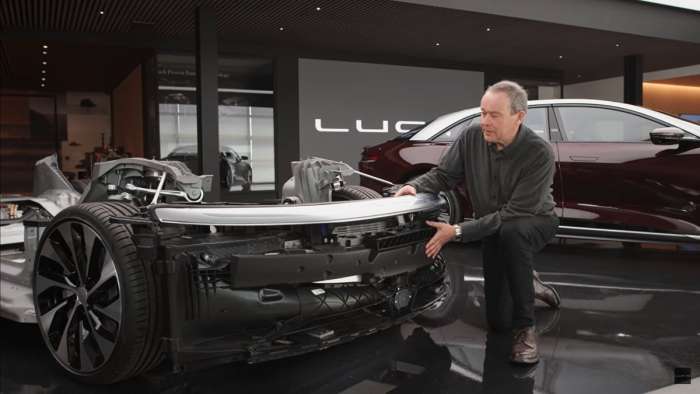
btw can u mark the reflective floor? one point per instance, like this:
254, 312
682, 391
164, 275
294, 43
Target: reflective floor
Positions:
629, 318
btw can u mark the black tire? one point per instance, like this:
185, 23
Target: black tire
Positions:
455, 302
448, 311
354, 192
453, 214
80, 185
100, 322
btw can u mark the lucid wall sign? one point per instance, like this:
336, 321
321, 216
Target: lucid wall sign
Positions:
402, 126
344, 106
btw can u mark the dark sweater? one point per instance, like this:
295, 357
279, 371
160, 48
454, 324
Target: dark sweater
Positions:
502, 185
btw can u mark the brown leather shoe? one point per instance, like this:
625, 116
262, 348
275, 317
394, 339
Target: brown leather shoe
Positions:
544, 292
524, 349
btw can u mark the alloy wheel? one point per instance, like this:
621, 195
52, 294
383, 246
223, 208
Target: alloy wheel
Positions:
77, 296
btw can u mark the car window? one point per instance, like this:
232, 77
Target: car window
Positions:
453, 132
536, 120
407, 135
588, 124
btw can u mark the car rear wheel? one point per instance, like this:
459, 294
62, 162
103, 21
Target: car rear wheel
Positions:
95, 300
445, 311
448, 310
354, 192
452, 214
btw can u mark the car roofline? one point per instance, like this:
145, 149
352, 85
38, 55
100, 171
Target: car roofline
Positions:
442, 122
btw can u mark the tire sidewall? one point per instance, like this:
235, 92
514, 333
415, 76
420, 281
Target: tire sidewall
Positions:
354, 193
456, 299
124, 347
454, 207
453, 203
452, 306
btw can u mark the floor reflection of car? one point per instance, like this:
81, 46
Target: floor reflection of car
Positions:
623, 172
235, 169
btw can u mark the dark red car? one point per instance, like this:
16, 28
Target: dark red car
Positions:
623, 172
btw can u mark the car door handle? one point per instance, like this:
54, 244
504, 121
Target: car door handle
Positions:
584, 158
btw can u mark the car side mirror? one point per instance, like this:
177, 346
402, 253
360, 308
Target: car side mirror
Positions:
666, 136
244, 157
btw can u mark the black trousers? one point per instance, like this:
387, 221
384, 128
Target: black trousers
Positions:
508, 263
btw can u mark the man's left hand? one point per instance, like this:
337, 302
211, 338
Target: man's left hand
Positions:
445, 233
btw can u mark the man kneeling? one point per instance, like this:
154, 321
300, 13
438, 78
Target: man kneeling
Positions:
508, 171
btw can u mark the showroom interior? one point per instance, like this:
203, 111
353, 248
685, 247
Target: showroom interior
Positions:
256, 85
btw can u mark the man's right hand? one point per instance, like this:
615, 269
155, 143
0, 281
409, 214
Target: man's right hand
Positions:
406, 190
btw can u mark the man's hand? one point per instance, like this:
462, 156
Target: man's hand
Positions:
406, 190
445, 233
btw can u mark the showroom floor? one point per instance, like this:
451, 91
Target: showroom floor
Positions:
629, 318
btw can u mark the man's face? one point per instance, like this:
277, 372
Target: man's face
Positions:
497, 123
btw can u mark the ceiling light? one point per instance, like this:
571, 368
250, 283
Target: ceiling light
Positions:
437, 44
318, 8
488, 29
579, 76
44, 63
102, 12
43, 78
561, 57
618, 44
46, 46
42, 85
281, 28
43, 71
44, 52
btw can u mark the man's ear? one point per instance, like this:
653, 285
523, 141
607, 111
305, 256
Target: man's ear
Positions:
521, 117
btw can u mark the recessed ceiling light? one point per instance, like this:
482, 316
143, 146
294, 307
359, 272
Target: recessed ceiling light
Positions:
102, 12
618, 44
42, 85
437, 44
318, 8
44, 52
488, 29
45, 46
579, 76
561, 57
43, 71
281, 28
43, 79
44, 63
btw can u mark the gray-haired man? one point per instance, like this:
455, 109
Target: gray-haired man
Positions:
508, 171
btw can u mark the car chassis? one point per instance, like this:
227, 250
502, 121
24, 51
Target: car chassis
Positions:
141, 268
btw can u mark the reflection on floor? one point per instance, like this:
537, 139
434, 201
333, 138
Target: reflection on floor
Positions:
629, 317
